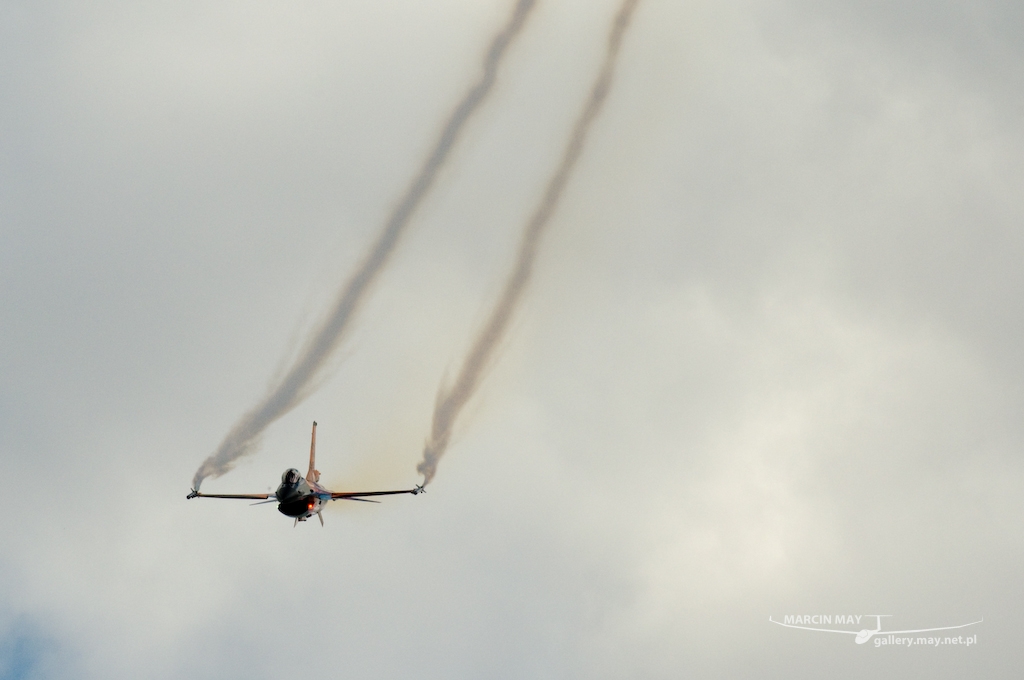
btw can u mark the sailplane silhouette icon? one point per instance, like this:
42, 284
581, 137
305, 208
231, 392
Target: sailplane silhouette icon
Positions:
866, 634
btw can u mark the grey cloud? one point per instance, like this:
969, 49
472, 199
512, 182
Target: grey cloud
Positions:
766, 364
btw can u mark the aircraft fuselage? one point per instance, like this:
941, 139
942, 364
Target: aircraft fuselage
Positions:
300, 498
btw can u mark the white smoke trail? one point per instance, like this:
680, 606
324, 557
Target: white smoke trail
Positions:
297, 383
450, 400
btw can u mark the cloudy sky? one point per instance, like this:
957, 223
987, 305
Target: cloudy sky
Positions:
769, 363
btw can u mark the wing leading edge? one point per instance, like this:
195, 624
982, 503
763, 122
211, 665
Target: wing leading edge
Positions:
250, 496
359, 495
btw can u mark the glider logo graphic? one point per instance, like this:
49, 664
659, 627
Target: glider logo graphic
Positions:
885, 637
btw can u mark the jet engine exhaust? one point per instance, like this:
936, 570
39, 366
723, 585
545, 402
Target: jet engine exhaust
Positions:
450, 400
299, 382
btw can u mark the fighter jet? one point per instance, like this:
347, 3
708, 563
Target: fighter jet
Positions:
302, 498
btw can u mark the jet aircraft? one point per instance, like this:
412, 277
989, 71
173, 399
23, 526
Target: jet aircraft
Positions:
302, 498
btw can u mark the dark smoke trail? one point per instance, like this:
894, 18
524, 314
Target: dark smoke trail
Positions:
450, 400
296, 384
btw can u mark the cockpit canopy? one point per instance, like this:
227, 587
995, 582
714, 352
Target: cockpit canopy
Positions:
290, 477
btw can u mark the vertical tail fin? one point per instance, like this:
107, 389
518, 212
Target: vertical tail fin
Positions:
313, 475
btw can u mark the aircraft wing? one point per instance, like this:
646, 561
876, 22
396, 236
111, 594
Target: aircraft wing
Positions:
250, 496
926, 630
360, 495
823, 630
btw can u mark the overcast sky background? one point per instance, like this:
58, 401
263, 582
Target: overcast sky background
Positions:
769, 362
